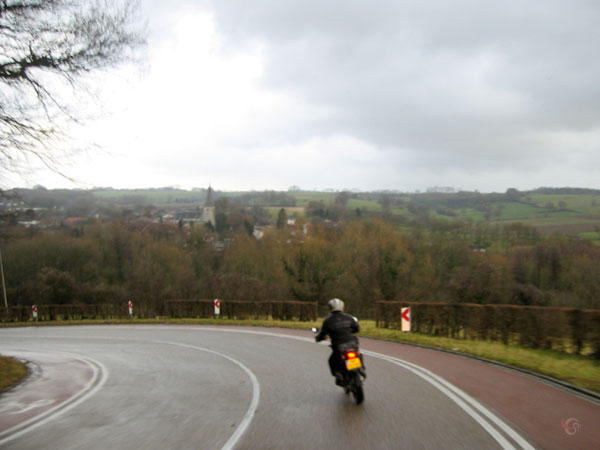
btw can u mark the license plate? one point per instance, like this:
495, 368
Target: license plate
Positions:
352, 364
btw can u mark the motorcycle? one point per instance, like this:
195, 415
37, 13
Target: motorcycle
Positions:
351, 380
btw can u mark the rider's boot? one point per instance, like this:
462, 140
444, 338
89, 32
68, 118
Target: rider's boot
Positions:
339, 380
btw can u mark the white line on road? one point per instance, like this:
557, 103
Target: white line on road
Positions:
255, 393
99, 377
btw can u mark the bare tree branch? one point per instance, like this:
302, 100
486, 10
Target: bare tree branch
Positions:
46, 45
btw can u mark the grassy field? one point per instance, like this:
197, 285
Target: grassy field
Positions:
151, 196
512, 210
593, 236
583, 204
11, 372
578, 370
471, 214
572, 224
368, 205
303, 198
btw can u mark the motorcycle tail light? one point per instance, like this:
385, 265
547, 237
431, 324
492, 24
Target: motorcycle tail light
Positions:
350, 355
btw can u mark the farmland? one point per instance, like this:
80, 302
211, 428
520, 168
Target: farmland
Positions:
573, 212
570, 214
552, 211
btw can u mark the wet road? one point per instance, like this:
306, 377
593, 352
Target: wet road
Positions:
157, 387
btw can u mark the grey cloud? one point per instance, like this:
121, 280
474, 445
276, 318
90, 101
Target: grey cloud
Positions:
400, 74
455, 87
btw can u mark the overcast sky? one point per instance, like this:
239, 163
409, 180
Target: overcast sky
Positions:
266, 94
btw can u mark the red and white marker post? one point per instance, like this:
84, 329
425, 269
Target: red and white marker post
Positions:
130, 306
217, 304
34, 312
405, 313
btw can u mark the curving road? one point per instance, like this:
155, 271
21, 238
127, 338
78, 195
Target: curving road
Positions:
186, 387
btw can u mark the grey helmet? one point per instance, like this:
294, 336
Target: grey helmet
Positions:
335, 304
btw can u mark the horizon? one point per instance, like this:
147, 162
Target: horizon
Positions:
292, 189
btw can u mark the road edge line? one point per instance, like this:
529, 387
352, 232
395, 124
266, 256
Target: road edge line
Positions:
98, 380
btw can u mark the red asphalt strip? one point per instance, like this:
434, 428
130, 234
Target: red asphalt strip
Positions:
544, 413
60, 378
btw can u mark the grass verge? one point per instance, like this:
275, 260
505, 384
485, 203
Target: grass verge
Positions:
11, 372
582, 371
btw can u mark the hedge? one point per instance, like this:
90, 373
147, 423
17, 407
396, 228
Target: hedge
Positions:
231, 309
63, 312
563, 329
276, 310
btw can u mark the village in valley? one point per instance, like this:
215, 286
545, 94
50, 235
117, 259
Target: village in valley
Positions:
569, 211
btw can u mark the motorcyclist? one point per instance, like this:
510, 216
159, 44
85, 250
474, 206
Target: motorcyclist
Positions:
341, 328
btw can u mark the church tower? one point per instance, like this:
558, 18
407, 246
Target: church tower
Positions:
208, 212
210, 201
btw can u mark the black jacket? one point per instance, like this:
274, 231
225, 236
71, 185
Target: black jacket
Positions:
341, 328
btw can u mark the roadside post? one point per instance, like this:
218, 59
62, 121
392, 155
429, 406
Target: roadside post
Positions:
217, 304
130, 307
405, 313
34, 312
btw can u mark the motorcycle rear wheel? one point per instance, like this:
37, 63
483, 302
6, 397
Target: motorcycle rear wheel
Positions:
357, 389
359, 396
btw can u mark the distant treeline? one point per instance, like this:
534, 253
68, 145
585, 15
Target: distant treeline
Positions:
360, 261
564, 191
104, 197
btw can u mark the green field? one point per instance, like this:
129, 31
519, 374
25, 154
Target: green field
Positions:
368, 205
581, 225
304, 198
583, 204
150, 196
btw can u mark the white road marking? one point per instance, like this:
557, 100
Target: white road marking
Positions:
245, 422
99, 377
459, 397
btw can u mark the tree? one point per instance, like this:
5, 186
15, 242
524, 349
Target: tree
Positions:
260, 215
386, 202
342, 199
56, 287
374, 261
512, 195
312, 270
47, 48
